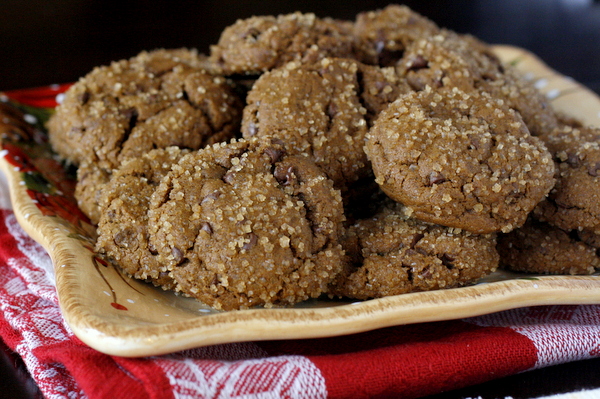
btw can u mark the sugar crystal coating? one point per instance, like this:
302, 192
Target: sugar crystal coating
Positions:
391, 254
258, 44
574, 203
383, 35
259, 222
154, 100
539, 247
459, 159
322, 111
244, 224
123, 236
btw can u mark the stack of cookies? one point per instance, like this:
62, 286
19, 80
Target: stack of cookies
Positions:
308, 156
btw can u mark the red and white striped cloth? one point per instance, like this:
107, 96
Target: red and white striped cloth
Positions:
405, 361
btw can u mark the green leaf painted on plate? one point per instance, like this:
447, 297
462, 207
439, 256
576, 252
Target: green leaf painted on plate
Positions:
36, 182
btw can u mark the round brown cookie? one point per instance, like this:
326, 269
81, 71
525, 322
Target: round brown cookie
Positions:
123, 225
521, 95
574, 203
258, 44
460, 160
383, 35
391, 254
90, 182
319, 111
448, 60
538, 247
244, 224
156, 99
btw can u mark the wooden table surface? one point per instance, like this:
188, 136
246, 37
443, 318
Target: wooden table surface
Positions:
45, 42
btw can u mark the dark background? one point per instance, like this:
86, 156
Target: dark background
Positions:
44, 42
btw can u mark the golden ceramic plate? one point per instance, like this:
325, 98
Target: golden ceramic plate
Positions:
120, 316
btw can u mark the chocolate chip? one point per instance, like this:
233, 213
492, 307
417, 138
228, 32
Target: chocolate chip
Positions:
416, 238
84, 97
436, 178
447, 261
152, 249
229, 177
210, 197
415, 82
417, 62
177, 254
274, 154
593, 169
253, 239
205, 226
573, 160
425, 273
332, 110
121, 239
285, 176
252, 34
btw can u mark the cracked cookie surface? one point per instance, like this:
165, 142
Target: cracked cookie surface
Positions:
459, 159
245, 224
322, 111
123, 226
383, 35
391, 254
258, 44
154, 100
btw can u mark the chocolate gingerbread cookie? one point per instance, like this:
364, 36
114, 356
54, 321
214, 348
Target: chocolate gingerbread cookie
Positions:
459, 159
574, 203
258, 44
391, 254
321, 111
448, 59
383, 35
521, 95
154, 100
245, 224
123, 226
91, 180
539, 247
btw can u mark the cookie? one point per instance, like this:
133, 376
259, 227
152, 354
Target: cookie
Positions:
245, 224
460, 160
448, 59
261, 43
521, 95
541, 248
574, 203
154, 100
391, 254
383, 35
91, 180
123, 237
321, 111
